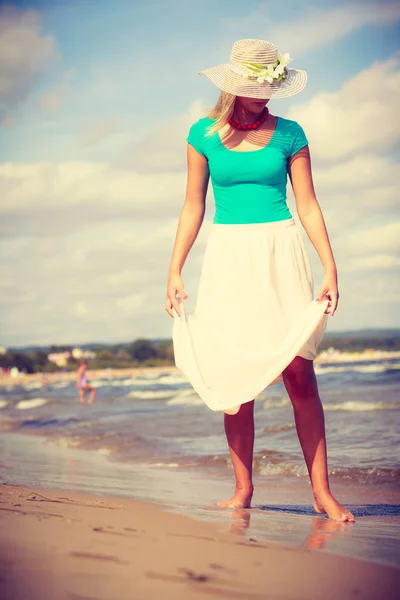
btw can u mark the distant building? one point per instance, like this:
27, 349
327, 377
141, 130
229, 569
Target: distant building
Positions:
59, 358
78, 354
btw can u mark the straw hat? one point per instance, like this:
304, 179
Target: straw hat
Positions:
257, 70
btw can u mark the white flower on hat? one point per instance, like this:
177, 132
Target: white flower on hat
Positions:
270, 73
284, 59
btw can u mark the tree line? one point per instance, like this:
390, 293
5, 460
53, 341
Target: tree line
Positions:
141, 352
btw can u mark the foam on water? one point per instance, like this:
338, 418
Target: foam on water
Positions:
360, 406
33, 403
151, 394
272, 403
286, 469
60, 384
32, 386
98, 383
279, 428
172, 380
186, 398
121, 382
143, 383
161, 465
359, 368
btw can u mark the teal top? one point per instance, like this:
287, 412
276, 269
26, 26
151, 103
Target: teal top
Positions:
249, 187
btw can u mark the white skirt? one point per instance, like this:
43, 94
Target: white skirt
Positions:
254, 313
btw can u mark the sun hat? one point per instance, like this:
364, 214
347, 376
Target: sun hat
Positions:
257, 70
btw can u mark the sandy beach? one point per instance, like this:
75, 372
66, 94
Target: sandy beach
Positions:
58, 545
117, 500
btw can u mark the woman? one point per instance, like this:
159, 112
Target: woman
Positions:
255, 321
82, 383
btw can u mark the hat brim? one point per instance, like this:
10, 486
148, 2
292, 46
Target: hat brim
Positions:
233, 83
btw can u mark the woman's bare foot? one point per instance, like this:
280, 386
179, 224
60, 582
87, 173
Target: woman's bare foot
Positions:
240, 499
325, 503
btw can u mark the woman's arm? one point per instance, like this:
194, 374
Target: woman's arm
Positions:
310, 215
78, 376
189, 224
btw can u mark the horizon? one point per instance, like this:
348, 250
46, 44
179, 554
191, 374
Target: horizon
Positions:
93, 152
390, 330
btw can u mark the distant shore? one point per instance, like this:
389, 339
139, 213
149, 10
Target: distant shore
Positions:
92, 374
324, 357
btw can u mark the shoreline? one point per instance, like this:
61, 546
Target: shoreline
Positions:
83, 546
281, 512
70, 376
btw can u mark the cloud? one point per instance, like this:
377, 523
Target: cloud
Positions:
376, 240
53, 98
317, 26
72, 194
361, 117
25, 54
376, 262
163, 147
107, 282
96, 131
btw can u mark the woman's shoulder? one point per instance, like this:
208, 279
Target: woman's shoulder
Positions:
289, 125
197, 135
293, 137
201, 125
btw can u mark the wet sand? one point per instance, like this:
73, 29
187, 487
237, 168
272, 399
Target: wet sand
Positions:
62, 545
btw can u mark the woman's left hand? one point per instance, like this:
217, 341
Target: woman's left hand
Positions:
329, 289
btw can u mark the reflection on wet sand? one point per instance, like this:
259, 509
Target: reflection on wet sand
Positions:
321, 529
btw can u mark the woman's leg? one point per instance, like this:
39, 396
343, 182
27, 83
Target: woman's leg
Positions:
239, 431
301, 385
92, 391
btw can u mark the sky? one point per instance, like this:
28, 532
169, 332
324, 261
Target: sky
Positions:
96, 99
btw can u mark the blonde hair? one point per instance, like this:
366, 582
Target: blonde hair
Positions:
222, 111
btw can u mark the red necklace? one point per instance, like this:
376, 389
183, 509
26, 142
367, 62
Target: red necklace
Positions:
255, 125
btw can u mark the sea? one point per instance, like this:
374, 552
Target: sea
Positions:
151, 437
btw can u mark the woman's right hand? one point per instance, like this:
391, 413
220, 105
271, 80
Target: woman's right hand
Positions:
175, 286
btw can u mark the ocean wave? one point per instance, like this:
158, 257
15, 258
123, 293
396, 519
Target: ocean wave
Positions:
274, 403
102, 451
186, 398
151, 394
64, 442
370, 475
279, 428
143, 383
172, 379
285, 469
121, 382
378, 367
32, 403
363, 475
160, 465
361, 406
350, 405
98, 383
33, 386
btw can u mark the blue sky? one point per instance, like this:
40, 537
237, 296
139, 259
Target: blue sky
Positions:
95, 102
